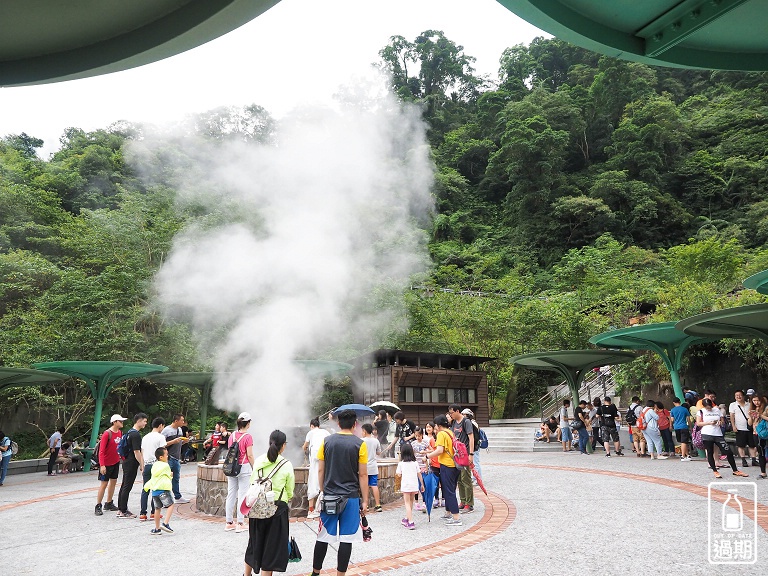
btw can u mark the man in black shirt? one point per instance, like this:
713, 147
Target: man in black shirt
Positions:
132, 465
608, 414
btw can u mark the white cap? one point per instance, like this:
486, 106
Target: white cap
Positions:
116, 417
245, 416
468, 412
751, 392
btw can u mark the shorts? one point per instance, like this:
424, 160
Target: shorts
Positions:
567, 435
163, 500
745, 438
373, 479
683, 435
609, 433
111, 473
637, 435
344, 527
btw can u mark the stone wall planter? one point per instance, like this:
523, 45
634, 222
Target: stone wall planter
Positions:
212, 488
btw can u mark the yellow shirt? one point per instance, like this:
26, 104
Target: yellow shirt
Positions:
445, 439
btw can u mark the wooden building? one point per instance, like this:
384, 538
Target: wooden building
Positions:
422, 384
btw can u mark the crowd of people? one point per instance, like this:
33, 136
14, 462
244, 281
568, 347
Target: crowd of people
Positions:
343, 469
693, 424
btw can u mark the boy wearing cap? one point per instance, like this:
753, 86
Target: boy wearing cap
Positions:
109, 463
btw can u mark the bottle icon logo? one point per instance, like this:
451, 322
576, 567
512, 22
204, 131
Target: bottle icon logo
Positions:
733, 512
732, 517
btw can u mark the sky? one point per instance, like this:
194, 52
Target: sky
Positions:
299, 51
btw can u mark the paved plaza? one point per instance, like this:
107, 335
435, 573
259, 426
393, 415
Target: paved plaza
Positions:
547, 512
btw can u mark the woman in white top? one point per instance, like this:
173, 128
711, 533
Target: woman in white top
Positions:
710, 420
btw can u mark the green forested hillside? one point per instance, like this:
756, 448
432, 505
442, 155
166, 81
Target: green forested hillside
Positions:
572, 192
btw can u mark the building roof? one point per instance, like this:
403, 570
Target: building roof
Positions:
393, 357
50, 41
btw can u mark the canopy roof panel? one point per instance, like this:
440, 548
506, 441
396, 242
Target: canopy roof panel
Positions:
740, 322
50, 41
758, 282
28, 377
103, 372
572, 359
639, 337
716, 34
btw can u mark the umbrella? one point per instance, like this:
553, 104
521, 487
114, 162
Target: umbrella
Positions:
477, 477
384, 405
359, 409
430, 485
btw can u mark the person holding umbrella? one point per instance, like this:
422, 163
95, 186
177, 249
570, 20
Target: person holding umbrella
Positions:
449, 473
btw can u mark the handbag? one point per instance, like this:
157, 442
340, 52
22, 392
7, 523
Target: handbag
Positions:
762, 429
294, 554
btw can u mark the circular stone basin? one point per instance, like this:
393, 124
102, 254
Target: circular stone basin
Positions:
212, 488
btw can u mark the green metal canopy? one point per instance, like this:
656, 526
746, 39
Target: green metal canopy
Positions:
101, 377
573, 365
663, 338
50, 41
739, 322
27, 377
758, 282
716, 34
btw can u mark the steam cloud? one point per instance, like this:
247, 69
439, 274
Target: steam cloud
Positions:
302, 237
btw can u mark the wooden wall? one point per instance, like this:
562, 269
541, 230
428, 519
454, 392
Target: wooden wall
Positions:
383, 383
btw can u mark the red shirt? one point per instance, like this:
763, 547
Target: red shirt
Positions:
108, 455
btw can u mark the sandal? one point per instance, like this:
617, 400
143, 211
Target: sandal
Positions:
740, 473
717, 474
762, 476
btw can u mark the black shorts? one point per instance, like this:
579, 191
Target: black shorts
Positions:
111, 474
683, 436
745, 438
609, 433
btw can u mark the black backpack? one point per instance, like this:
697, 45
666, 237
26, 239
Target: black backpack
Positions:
232, 461
631, 417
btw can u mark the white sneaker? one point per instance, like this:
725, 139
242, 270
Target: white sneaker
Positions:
662, 457
313, 514
182, 500
686, 459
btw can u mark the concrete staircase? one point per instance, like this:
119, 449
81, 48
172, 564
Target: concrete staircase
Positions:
516, 435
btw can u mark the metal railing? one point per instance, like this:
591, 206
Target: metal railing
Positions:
593, 384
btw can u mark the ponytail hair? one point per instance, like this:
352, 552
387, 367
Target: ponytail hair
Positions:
276, 441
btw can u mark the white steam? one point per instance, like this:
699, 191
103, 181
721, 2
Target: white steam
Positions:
299, 239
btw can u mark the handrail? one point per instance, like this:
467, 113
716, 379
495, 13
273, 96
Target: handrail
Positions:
604, 381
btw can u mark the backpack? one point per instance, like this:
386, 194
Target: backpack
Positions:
762, 429
124, 446
641, 423
260, 505
460, 453
232, 460
484, 438
631, 417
